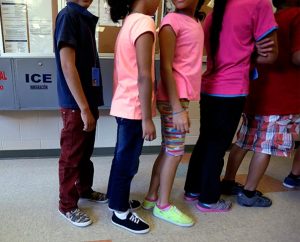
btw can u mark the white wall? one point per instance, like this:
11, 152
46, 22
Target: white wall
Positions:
26, 130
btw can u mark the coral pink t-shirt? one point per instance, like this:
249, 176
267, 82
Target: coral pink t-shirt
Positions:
245, 21
126, 102
187, 63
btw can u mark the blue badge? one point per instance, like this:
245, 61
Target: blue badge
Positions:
96, 77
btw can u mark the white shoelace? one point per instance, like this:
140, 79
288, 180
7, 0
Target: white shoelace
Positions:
134, 218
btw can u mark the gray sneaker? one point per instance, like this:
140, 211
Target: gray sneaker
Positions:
258, 200
96, 197
220, 206
77, 217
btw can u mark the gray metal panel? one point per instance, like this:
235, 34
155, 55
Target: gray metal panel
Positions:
7, 90
35, 80
107, 66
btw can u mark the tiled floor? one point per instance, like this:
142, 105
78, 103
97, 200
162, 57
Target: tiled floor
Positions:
29, 195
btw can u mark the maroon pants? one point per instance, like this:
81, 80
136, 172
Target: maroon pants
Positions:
76, 169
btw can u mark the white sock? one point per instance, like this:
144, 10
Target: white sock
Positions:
121, 215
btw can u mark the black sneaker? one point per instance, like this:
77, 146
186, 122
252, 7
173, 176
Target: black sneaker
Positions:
132, 223
133, 205
291, 182
231, 188
258, 200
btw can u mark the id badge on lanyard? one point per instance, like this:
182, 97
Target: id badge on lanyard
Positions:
96, 78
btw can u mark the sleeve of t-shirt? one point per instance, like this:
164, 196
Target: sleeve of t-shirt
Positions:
170, 19
296, 34
66, 31
263, 20
141, 26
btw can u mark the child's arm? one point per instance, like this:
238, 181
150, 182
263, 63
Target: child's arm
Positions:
167, 42
267, 49
296, 58
144, 48
67, 56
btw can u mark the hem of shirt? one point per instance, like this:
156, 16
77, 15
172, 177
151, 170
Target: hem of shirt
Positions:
224, 95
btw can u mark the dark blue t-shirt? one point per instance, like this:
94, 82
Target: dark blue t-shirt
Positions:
75, 27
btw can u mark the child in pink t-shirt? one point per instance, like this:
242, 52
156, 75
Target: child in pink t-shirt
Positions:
132, 104
231, 32
181, 46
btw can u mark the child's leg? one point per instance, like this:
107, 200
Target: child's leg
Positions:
257, 168
164, 169
152, 194
172, 150
296, 163
235, 159
125, 163
167, 174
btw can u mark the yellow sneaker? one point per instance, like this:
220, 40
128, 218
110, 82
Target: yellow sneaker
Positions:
173, 215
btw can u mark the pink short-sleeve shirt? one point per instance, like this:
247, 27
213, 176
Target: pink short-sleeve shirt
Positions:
187, 63
126, 102
244, 23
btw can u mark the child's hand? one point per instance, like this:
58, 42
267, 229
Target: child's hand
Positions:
264, 46
149, 132
88, 120
181, 121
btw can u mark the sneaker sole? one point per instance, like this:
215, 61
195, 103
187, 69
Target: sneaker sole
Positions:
133, 231
97, 201
288, 186
210, 210
172, 222
74, 223
254, 206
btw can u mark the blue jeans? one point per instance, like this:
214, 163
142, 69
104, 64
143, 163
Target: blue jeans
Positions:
125, 163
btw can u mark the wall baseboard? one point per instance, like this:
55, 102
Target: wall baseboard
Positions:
54, 153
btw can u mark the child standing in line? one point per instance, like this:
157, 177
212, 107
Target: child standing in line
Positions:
79, 98
132, 104
181, 47
231, 32
271, 119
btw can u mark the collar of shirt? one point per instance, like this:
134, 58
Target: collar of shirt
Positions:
82, 11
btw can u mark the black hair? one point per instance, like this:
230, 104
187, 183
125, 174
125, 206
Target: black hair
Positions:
198, 14
119, 9
216, 27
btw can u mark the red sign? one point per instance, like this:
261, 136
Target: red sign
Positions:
1, 87
2, 76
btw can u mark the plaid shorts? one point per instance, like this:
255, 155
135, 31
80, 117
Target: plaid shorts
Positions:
273, 135
173, 141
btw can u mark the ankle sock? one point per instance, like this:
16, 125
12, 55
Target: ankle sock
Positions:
248, 193
121, 215
164, 208
150, 199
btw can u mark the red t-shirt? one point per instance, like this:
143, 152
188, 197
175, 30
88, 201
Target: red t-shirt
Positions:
277, 91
